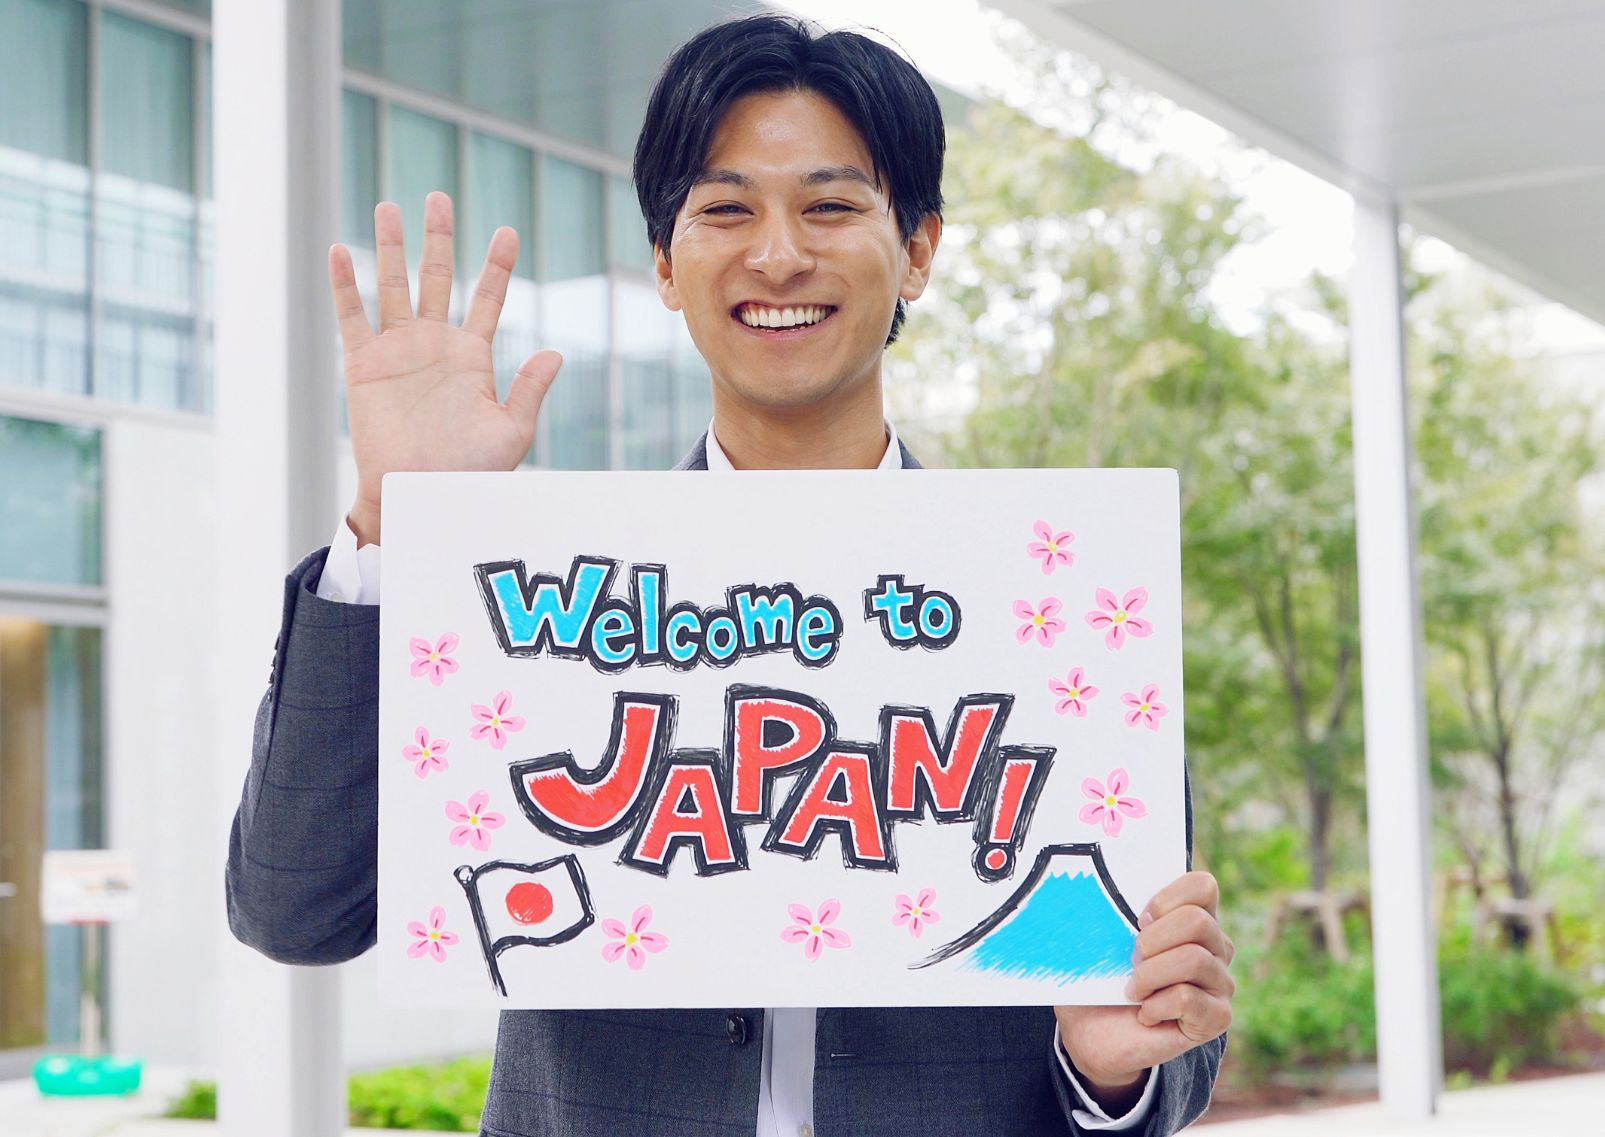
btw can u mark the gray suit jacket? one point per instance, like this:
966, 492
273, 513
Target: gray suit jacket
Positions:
301, 883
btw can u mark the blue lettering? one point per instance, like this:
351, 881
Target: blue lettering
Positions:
610, 625
726, 627
767, 617
816, 622
564, 617
682, 624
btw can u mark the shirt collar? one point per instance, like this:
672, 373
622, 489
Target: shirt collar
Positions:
891, 460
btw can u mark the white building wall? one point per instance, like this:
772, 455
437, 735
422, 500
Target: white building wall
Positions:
160, 779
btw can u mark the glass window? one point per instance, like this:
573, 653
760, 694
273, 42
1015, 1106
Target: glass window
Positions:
359, 167
146, 266
626, 231
571, 220
50, 492
500, 191
574, 314
420, 156
44, 195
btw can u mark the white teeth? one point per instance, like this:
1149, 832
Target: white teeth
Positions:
757, 317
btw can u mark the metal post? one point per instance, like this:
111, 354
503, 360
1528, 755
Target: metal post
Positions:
276, 95
1409, 1031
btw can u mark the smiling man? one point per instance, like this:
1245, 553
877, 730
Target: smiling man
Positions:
791, 187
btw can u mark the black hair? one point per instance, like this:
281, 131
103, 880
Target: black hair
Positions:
882, 94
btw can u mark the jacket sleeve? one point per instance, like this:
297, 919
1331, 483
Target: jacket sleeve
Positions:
301, 881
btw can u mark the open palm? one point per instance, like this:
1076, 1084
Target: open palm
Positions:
421, 393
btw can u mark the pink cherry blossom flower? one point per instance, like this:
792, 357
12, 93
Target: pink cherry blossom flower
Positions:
426, 753
1053, 548
1120, 617
433, 940
1041, 621
1145, 708
1073, 693
493, 722
918, 912
1109, 803
815, 929
434, 659
635, 941
473, 820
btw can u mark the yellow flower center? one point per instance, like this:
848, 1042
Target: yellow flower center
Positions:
428, 753
1145, 707
1037, 619
1053, 546
473, 819
433, 656
916, 910
1120, 616
1109, 800
1072, 692
814, 928
434, 935
495, 720
630, 938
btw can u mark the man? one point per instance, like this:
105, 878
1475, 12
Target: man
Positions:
791, 185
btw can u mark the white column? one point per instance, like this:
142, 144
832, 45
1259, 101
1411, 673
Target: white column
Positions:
276, 99
1409, 1033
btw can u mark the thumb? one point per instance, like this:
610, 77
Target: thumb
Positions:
529, 388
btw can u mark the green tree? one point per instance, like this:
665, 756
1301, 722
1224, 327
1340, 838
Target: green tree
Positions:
1511, 571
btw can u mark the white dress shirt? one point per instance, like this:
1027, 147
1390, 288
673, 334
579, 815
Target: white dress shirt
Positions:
786, 1084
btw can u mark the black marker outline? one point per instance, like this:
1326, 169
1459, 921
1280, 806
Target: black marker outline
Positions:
969, 939
468, 876
1041, 759
564, 760
822, 825
924, 797
748, 692
713, 762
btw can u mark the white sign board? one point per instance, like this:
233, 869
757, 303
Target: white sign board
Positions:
776, 739
86, 886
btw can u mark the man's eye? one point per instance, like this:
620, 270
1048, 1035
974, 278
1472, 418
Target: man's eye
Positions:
727, 209
834, 207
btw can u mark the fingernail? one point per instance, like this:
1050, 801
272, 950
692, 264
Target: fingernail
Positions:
1131, 990
1145, 919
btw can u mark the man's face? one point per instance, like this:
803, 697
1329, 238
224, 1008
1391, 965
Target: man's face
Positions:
786, 226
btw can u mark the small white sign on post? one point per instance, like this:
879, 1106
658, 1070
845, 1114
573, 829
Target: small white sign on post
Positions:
776, 739
86, 886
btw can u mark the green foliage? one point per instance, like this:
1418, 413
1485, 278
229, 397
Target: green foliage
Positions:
445, 1096
448, 1096
1298, 1009
1501, 1009
198, 1102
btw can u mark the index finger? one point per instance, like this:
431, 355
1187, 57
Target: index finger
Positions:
1197, 888
348, 311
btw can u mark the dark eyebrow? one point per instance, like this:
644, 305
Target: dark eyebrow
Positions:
839, 174
718, 176
722, 177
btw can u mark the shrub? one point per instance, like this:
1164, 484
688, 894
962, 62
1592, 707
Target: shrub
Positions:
443, 1096
1501, 1009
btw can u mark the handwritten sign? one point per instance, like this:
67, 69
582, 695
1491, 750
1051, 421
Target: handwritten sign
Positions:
776, 739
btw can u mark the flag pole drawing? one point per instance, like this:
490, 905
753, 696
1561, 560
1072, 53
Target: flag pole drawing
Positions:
536, 905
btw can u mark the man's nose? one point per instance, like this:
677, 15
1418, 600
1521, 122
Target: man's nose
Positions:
779, 249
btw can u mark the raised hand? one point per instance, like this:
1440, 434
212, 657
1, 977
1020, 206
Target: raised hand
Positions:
1181, 984
421, 394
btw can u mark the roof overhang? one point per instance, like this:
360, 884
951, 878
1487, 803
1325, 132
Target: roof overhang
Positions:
1483, 119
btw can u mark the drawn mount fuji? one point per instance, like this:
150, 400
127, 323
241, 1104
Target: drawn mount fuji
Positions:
1066, 921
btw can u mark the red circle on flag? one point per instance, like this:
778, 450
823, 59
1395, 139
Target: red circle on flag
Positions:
995, 860
529, 903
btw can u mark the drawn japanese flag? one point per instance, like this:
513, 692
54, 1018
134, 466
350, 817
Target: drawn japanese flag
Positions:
538, 905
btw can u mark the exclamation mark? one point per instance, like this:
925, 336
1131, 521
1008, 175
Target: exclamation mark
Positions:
1016, 783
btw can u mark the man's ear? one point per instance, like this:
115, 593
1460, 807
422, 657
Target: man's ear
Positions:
668, 291
921, 250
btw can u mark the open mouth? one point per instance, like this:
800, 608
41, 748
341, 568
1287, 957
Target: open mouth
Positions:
762, 318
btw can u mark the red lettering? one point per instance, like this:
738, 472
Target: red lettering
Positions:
914, 753
752, 758
704, 823
858, 811
589, 807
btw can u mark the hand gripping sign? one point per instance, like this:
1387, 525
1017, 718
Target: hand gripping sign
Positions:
855, 738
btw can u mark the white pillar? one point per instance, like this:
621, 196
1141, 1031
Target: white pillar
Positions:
276, 100
1409, 1032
